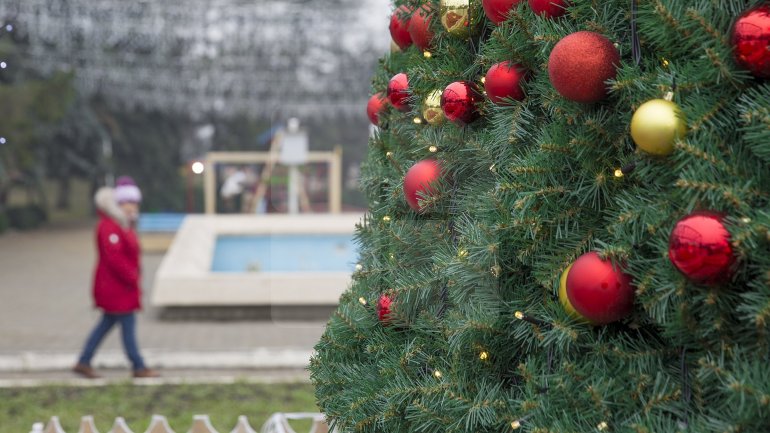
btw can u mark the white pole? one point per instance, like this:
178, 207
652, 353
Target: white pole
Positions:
294, 179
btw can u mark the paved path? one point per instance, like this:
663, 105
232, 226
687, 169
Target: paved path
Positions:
45, 314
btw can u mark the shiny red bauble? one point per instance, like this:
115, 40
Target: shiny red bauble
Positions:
376, 104
383, 309
398, 91
599, 291
504, 80
419, 28
580, 64
549, 8
419, 181
700, 248
460, 102
399, 27
751, 41
497, 10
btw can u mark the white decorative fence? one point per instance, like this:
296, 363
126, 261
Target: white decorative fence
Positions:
278, 423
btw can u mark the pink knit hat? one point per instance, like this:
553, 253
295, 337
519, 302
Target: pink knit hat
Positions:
127, 191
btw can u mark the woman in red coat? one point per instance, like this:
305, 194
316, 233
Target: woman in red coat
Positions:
117, 279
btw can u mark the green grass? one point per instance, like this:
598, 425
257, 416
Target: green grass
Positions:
21, 407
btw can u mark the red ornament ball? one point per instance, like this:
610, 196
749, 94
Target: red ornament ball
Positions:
497, 10
419, 28
599, 291
504, 80
376, 104
419, 181
580, 64
460, 102
399, 27
751, 41
699, 247
549, 8
398, 91
383, 309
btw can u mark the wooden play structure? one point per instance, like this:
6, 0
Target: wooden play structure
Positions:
270, 160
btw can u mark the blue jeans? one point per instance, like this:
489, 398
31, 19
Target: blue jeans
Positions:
128, 330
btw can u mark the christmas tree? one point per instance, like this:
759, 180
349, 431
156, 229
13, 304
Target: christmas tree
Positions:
568, 226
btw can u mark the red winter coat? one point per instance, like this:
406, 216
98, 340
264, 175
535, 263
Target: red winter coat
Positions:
118, 272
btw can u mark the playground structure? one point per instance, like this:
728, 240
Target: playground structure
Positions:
270, 159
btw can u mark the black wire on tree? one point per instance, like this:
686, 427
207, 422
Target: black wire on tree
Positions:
636, 47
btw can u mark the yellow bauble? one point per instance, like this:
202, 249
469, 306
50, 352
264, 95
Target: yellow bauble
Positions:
431, 108
656, 125
457, 17
564, 299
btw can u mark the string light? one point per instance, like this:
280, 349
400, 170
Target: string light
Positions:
462, 253
484, 355
2, 140
427, 54
386, 218
359, 267
519, 315
389, 154
746, 220
483, 80
516, 425
433, 149
495, 270
9, 28
417, 120
3, 65
362, 300
665, 62
619, 173
602, 426
437, 374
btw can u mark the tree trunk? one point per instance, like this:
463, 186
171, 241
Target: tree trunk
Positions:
63, 193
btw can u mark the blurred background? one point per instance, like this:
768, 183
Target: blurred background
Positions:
148, 87
198, 101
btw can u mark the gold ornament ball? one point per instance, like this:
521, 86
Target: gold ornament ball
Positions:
457, 17
431, 108
656, 125
564, 299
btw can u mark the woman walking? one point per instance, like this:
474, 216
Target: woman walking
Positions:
116, 287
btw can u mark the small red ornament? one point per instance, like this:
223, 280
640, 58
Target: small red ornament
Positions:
504, 80
419, 28
398, 91
383, 309
580, 64
549, 8
751, 41
376, 104
599, 291
399, 27
700, 248
497, 10
419, 181
460, 102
